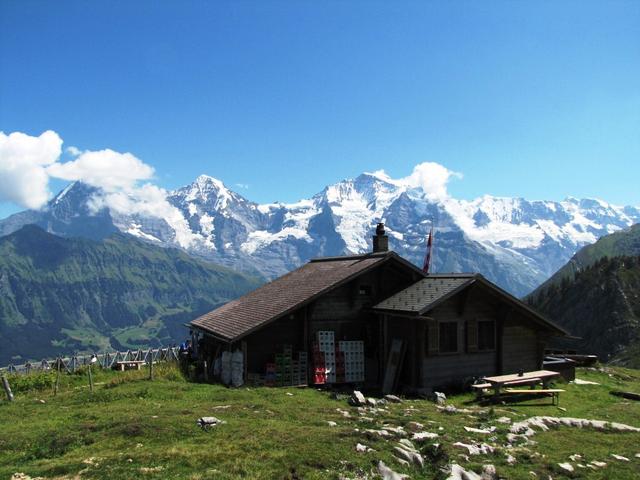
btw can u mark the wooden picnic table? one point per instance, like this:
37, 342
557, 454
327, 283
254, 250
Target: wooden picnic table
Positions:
497, 382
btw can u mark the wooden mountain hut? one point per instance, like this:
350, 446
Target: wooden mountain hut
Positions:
373, 320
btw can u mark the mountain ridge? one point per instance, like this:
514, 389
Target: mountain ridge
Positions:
515, 242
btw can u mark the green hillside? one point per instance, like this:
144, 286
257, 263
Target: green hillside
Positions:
624, 242
60, 295
600, 304
131, 428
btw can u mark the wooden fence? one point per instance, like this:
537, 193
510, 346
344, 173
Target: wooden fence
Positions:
105, 360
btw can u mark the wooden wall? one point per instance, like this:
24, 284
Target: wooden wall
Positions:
441, 369
520, 346
263, 344
342, 310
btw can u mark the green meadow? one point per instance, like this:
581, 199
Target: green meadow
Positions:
132, 428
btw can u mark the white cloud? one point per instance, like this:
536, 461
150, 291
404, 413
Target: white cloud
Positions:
431, 177
106, 169
23, 163
244, 186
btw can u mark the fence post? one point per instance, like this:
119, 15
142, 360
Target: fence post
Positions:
7, 388
151, 368
55, 389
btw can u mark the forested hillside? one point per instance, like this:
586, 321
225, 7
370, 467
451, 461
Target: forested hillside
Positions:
601, 305
59, 295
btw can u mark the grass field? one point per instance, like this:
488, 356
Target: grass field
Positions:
132, 428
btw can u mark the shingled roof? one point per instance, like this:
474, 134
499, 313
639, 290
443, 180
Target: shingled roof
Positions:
419, 297
427, 293
287, 293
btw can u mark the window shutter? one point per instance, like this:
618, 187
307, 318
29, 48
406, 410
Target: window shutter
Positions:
472, 335
433, 337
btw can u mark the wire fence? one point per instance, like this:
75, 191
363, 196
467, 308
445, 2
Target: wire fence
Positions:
106, 360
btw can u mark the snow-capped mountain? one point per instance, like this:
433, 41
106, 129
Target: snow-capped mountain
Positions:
515, 242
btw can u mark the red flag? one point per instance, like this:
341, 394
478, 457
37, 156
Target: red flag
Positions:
427, 258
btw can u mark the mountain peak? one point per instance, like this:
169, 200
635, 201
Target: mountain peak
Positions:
206, 180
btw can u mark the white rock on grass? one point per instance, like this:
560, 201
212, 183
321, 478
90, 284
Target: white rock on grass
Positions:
511, 459
387, 474
414, 426
566, 466
407, 443
575, 457
459, 473
578, 381
332, 423
378, 433
440, 398
526, 426
475, 449
397, 431
480, 430
620, 457
360, 448
401, 461
452, 409
408, 451
489, 472
598, 464
423, 436
392, 399
207, 422
357, 399
372, 401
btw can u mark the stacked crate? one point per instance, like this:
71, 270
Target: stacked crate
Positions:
270, 375
340, 367
283, 366
353, 352
327, 346
319, 369
303, 367
286, 370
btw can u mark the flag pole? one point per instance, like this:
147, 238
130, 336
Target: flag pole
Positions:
427, 258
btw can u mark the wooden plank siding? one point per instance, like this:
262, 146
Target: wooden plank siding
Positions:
520, 348
426, 367
343, 310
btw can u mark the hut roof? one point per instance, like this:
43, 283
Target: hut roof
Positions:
429, 292
285, 294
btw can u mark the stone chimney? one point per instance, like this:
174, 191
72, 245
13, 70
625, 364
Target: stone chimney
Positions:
380, 240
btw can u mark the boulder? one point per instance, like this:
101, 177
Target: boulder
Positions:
459, 473
440, 398
392, 399
357, 399
387, 474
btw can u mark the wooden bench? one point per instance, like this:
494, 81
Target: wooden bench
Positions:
554, 393
481, 387
129, 365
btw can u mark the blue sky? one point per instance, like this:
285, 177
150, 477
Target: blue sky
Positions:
532, 99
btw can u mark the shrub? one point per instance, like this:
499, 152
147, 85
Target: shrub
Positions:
33, 381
